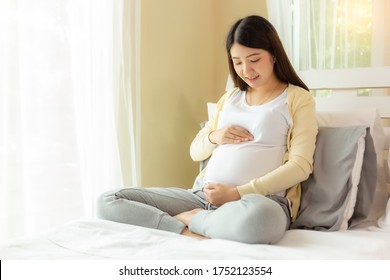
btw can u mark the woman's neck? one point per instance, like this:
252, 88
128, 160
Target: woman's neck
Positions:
266, 93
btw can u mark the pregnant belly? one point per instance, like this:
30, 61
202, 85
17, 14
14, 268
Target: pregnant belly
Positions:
237, 164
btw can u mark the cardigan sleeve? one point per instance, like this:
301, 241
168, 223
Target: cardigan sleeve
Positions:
201, 148
298, 161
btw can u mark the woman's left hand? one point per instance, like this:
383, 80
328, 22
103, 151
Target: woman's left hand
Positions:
218, 194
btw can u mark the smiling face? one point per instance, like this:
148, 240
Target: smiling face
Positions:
254, 66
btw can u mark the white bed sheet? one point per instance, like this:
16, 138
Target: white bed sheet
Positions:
100, 239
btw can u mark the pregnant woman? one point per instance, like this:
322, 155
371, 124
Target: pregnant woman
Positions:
260, 145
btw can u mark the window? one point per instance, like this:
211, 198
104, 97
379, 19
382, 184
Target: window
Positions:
330, 34
334, 34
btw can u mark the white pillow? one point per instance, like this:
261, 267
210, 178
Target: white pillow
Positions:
355, 179
384, 221
367, 117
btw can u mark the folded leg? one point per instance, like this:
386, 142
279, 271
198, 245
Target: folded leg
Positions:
148, 207
254, 219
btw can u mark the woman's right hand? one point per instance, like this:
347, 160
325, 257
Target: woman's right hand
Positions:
230, 135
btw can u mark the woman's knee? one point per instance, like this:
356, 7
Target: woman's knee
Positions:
265, 221
258, 220
102, 203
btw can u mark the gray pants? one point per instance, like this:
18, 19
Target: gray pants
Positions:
253, 219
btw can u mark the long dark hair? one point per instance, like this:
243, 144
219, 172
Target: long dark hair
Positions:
258, 33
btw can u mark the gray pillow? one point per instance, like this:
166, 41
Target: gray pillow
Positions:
327, 192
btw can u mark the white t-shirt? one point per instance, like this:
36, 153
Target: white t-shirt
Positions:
237, 164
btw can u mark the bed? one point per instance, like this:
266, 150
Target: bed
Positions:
354, 223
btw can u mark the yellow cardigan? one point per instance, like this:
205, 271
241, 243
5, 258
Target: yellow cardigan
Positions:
298, 160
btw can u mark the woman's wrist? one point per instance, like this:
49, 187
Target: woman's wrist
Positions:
235, 194
209, 137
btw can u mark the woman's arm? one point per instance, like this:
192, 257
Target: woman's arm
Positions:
202, 146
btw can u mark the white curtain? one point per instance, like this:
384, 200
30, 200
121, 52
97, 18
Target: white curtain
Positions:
280, 14
329, 34
68, 116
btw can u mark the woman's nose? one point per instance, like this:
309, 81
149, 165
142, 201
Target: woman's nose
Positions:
247, 69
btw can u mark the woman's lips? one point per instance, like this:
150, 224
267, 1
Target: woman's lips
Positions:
252, 79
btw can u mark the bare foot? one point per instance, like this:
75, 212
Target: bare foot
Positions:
185, 217
189, 233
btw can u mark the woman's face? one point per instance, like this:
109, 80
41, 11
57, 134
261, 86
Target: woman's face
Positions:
254, 66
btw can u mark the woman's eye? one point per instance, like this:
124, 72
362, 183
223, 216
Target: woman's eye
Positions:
255, 60
237, 63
